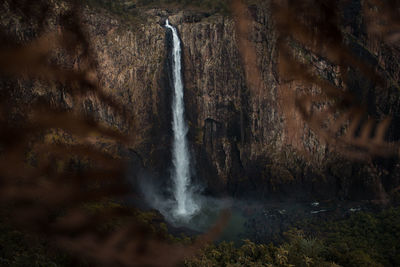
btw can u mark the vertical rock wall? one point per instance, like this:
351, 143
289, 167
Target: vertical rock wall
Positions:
238, 138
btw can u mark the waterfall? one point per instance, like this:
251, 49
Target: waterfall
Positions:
185, 205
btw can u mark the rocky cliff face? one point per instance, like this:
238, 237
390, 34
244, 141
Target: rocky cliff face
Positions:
239, 141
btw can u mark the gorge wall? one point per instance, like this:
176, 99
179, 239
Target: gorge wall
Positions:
238, 138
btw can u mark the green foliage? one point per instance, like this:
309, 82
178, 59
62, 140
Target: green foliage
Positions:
299, 251
304, 251
18, 249
23, 249
364, 239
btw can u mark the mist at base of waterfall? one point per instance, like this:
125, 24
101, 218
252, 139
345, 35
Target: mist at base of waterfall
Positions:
209, 215
206, 216
160, 198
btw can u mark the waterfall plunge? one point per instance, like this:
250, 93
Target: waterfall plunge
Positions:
185, 206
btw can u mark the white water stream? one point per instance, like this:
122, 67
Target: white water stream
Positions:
185, 205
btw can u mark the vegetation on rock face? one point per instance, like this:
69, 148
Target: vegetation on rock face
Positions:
207, 5
124, 9
127, 9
